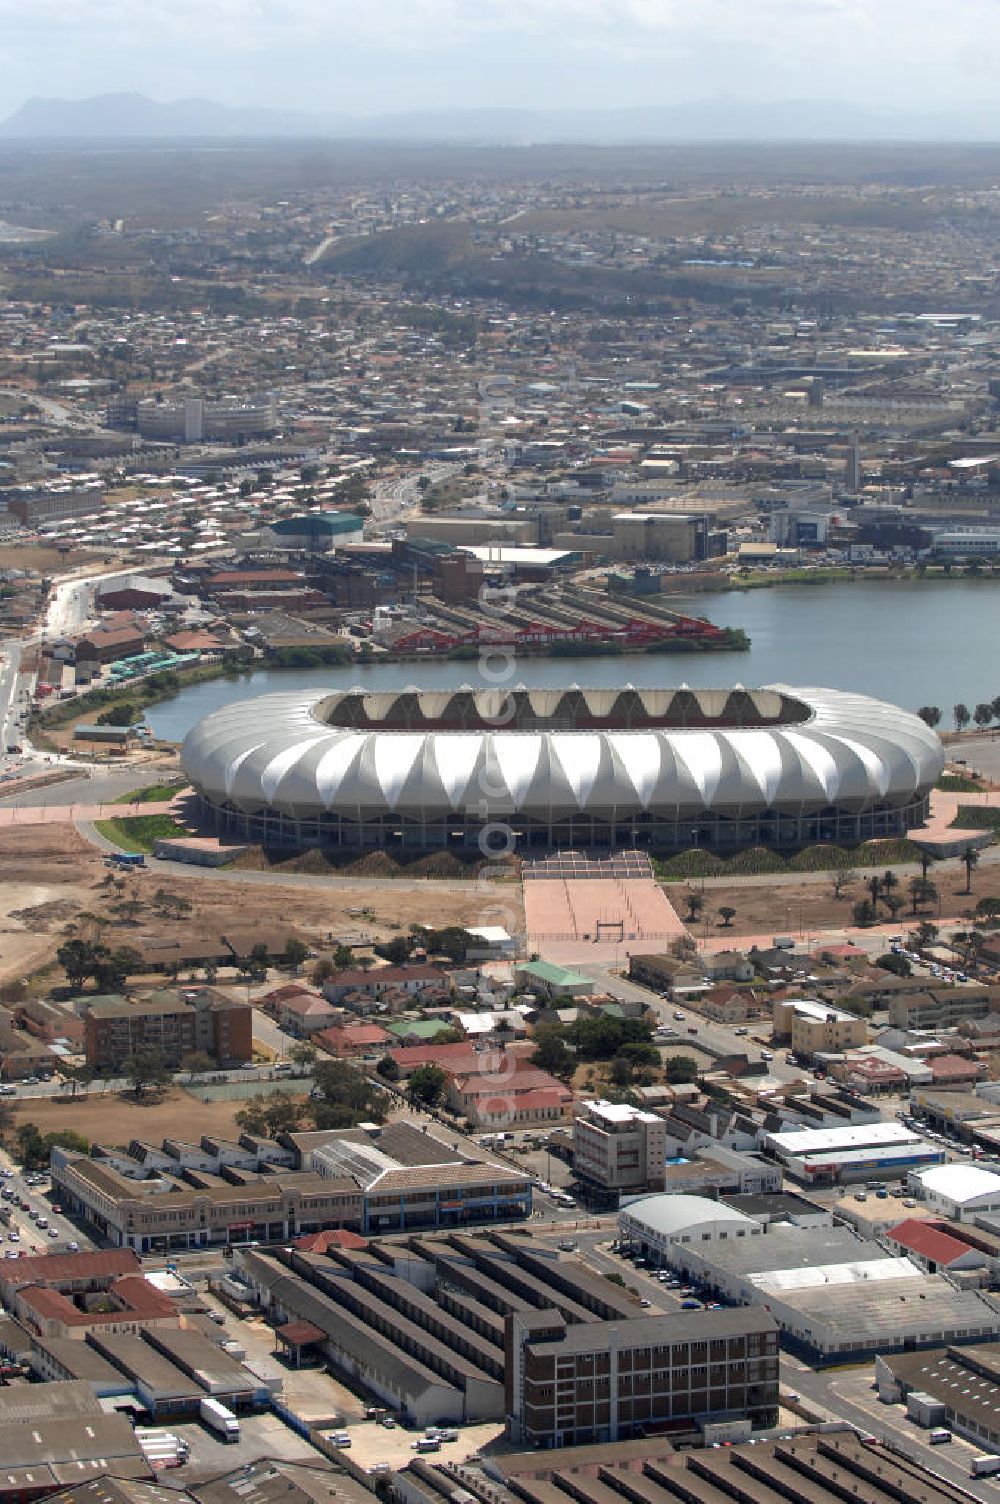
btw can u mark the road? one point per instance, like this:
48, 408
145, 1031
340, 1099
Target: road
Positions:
21, 1233
391, 498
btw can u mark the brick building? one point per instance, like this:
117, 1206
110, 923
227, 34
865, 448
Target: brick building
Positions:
171, 1024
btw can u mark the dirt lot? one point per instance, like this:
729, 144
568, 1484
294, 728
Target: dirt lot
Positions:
34, 556
778, 905
116, 1120
320, 911
41, 865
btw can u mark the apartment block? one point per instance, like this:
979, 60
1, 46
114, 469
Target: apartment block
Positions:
170, 1023
816, 1028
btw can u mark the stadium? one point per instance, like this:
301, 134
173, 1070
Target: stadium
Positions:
662, 769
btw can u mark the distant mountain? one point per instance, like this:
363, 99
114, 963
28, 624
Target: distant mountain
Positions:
134, 117
120, 117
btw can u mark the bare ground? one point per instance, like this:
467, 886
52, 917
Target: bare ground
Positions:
116, 1120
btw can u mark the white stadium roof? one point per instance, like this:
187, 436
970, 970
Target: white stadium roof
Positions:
677, 751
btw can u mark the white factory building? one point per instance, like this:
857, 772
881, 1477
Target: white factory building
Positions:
659, 1224
960, 1192
856, 1151
836, 1296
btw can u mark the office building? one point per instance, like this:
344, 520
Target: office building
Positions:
619, 1147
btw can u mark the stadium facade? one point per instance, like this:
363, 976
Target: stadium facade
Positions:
664, 769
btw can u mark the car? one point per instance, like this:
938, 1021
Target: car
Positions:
389, 1421
41, 1223
73, 1246
14, 1237
692, 1029
340, 1439
645, 1303
767, 1054
53, 1232
741, 1031
56, 1207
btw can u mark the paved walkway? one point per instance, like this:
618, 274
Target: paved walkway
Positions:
69, 814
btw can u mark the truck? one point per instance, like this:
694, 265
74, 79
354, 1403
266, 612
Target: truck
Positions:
217, 1418
984, 1464
128, 859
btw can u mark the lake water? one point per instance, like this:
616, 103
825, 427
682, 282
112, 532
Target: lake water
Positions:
912, 642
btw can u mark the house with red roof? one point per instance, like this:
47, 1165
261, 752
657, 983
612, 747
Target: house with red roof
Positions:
931, 1246
349, 1040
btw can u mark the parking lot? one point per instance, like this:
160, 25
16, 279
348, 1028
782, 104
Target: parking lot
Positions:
372, 1444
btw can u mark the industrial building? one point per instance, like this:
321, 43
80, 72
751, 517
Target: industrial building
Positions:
960, 1192
565, 768
461, 1327
857, 1151
573, 1385
812, 1468
834, 1295
962, 1383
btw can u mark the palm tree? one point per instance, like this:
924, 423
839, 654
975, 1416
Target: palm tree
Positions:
971, 860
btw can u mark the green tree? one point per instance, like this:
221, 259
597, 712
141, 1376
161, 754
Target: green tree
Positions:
695, 903
341, 1097
388, 1069
931, 714
147, 1071
397, 950
962, 716
841, 878
922, 893
727, 914
982, 715
302, 1055
863, 912
426, 1085
196, 1062
898, 965
77, 959
294, 953
550, 1052
678, 1069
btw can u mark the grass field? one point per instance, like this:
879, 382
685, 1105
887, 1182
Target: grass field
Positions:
155, 793
139, 832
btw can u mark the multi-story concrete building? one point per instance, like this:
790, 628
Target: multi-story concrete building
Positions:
34, 507
174, 1026
620, 1147
194, 420
609, 1381
817, 1028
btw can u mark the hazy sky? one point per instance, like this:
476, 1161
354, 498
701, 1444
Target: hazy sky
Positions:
377, 56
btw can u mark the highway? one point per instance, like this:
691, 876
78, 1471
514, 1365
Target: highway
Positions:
391, 498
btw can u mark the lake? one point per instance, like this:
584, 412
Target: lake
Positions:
912, 642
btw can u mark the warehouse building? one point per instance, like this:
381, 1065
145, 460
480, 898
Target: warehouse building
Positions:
816, 1468
658, 1224
960, 1192
856, 1151
834, 1295
964, 1382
